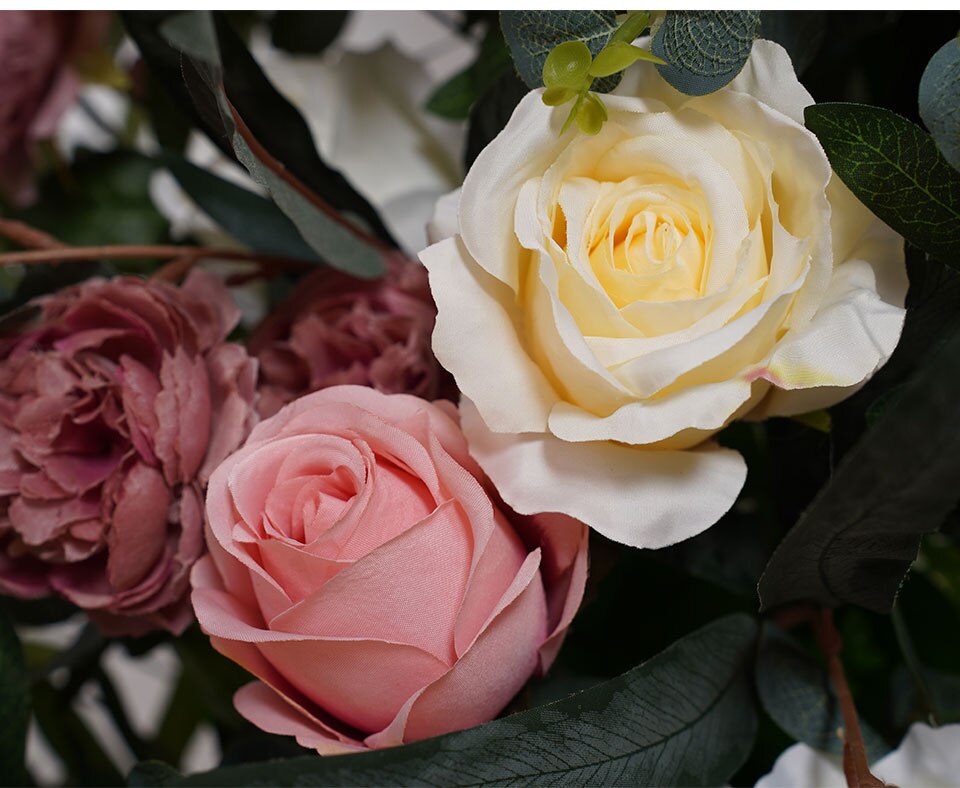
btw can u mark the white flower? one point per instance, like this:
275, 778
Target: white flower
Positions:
608, 303
926, 758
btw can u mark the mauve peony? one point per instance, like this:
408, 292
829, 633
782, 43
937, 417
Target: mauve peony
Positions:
38, 83
335, 329
360, 567
115, 406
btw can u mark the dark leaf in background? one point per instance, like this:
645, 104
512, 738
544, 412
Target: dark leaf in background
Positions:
895, 169
795, 691
704, 50
251, 219
531, 35
454, 97
490, 114
858, 538
153, 773
799, 32
306, 32
15, 704
685, 717
940, 100
337, 242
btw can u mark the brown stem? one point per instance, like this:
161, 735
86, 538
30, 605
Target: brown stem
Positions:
856, 768
28, 236
278, 168
153, 252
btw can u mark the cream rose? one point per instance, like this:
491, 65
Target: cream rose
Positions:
608, 303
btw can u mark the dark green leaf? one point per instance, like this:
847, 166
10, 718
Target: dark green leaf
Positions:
193, 34
894, 167
858, 538
150, 773
940, 100
14, 703
248, 217
491, 113
796, 692
704, 50
685, 717
799, 32
306, 32
531, 35
454, 98
239, 79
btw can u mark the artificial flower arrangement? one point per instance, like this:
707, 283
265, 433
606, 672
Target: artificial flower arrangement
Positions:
470, 398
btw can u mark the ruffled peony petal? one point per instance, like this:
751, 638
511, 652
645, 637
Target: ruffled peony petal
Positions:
632, 495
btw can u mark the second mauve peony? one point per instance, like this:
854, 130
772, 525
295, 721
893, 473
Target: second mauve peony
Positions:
362, 570
336, 329
38, 83
115, 406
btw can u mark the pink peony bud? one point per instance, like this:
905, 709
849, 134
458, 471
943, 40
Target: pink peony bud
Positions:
114, 409
336, 329
38, 83
363, 570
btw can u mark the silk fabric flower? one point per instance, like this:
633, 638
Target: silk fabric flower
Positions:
608, 303
115, 406
360, 567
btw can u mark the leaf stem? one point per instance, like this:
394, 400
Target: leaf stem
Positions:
856, 768
913, 662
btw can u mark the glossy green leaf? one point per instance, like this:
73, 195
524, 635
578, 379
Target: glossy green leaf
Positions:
251, 219
857, 539
14, 702
704, 50
685, 717
328, 234
591, 115
795, 691
940, 100
532, 35
306, 32
893, 166
632, 27
454, 98
554, 97
617, 56
567, 65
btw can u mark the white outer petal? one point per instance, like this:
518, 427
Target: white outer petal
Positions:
635, 496
476, 340
769, 76
926, 757
801, 766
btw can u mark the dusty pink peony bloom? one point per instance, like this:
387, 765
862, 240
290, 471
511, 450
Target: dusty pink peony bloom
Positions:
38, 83
336, 329
361, 568
114, 409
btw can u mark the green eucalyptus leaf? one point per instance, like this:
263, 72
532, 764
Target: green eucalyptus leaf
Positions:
567, 65
306, 32
856, 541
14, 701
532, 35
940, 100
591, 115
251, 219
554, 97
893, 166
685, 717
617, 56
795, 691
704, 50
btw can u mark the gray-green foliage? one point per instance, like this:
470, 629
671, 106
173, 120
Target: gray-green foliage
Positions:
940, 100
685, 717
704, 50
531, 35
893, 166
331, 238
857, 539
14, 700
795, 691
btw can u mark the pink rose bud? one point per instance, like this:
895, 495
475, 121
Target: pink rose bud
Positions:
114, 408
38, 83
338, 329
363, 570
